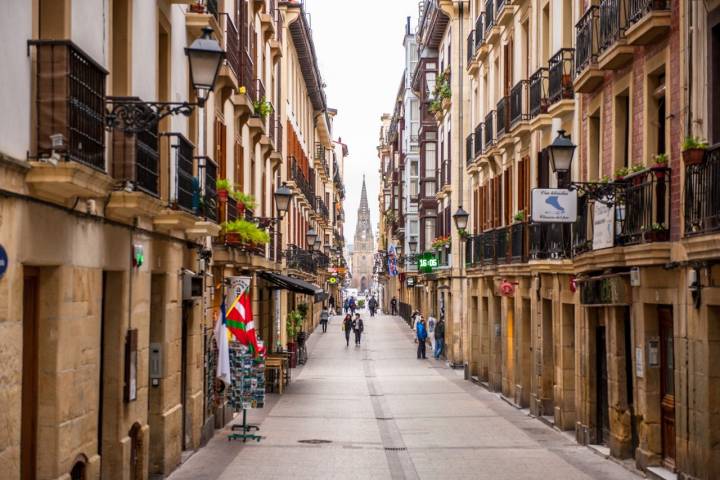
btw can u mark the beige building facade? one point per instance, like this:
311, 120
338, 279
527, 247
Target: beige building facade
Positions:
118, 243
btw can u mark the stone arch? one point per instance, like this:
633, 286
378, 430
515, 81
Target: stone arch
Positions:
79, 469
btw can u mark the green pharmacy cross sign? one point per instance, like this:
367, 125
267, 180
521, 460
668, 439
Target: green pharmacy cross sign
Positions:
427, 262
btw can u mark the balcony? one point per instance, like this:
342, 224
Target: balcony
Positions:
702, 195
488, 244
520, 106
302, 182
505, 11
470, 46
518, 242
445, 175
322, 209
478, 139
299, 259
469, 149
644, 207
490, 32
207, 171
481, 47
582, 228
70, 107
232, 47
588, 76
648, 21
503, 117
539, 93
200, 15
489, 132
502, 235
560, 76
615, 53
550, 241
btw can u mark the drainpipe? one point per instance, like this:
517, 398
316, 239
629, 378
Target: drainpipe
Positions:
460, 161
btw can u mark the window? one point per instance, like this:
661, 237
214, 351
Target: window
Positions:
622, 125
429, 234
657, 121
595, 170
714, 74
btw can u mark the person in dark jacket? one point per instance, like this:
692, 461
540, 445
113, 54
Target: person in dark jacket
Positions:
439, 338
358, 328
421, 332
372, 305
393, 306
347, 327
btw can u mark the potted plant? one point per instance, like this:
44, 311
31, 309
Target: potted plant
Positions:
222, 186
634, 172
661, 161
292, 328
605, 179
263, 108
620, 174
519, 216
244, 202
693, 150
658, 233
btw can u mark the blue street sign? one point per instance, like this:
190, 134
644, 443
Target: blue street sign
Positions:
3, 261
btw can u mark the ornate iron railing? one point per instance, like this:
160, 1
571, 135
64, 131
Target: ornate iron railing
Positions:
208, 171
702, 194
549, 241
518, 242
479, 24
502, 117
539, 92
489, 134
587, 39
232, 46
519, 103
299, 259
613, 22
488, 247
184, 178
639, 8
470, 46
502, 244
560, 75
581, 241
644, 207
469, 148
478, 138
489, 15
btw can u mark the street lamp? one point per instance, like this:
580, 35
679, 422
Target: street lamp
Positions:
205, 57
461, 218
310, 237
283, 195
317, 245
413, 244
132, 115
561, 153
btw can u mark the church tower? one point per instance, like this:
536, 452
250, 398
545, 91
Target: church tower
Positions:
363, 246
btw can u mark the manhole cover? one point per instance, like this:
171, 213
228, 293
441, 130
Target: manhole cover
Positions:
396, 449
314, 441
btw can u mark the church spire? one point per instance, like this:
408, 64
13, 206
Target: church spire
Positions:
363, 230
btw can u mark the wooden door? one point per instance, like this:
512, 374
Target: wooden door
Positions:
601, 388
667, 386
28, 433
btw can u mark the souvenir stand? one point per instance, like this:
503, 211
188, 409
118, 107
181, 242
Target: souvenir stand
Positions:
247, 388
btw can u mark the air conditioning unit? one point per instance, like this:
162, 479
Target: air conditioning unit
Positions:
192, 286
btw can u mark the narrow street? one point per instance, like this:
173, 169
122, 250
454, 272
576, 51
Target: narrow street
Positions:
378, 412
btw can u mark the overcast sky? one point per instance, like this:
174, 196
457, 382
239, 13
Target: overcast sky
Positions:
360, 52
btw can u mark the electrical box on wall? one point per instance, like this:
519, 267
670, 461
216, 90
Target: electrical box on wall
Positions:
155, 363
635, 277
191, 286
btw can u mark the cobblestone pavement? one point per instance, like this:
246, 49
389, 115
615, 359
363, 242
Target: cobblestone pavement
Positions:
386, 414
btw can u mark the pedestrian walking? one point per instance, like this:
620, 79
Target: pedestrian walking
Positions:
414, 319
347, 327
346, 305
372, 305
431, 324
324, 317
439, 338
353, 306
421, 332
393, 306
358, 327
331, 303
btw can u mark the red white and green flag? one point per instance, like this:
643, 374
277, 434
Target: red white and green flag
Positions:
239, 316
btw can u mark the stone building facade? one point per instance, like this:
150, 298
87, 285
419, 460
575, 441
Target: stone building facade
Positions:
606, 326
118, 243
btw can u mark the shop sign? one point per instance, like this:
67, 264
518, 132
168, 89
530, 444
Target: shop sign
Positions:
411, 281
639, 363
603, 226
605, 291
427, 262
554, 205
332, 280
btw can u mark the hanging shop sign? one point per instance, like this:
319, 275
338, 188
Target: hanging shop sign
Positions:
427, 262
332, 280
411, 281
603, 226
3, 261
554, 205
611, 290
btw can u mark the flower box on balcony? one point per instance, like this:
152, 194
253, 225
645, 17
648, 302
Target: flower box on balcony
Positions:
693, 156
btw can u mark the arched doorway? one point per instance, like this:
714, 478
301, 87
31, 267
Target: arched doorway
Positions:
79, 469
136, 448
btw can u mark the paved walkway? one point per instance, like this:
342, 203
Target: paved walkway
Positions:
385, 414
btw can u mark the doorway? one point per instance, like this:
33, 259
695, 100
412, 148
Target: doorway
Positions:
186, 426
29, 412
136, 447
602, 421
667, 385
548, 360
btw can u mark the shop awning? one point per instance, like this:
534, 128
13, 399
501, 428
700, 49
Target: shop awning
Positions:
294, 285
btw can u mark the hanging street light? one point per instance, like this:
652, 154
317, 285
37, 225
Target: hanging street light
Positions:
283, 195
310, 237
204, 57
461, 218
561, 153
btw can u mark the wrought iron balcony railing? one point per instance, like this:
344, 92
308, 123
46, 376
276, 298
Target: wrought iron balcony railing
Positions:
539, 92
644, 207
136, 159
613, 22
489, 245
479, 25
502, 117
299, 259
232, 46
70, 100
469, 148
478, 138
587, 39
184, 182
637, 9
303, 183
702, 194
581, 230
560, 75
470, 46
247, 75
518, 242
489, 134
321, 208
519, 103
549, 241
207, 169
489, 15
501, 244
